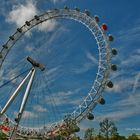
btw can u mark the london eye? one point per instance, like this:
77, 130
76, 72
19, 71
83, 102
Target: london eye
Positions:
30, 87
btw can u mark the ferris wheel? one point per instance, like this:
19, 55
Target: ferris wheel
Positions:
25, 79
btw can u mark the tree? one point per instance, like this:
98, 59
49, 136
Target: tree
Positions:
133, 137
114, 131
74, 137
108, 129
2, 136
89, 134
120, 138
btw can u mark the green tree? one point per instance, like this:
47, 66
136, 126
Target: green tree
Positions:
114, 131
120, 138
89, 134
133, 137
108, 129
2, 136
74, 137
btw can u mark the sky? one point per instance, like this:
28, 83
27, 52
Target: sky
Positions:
70, 54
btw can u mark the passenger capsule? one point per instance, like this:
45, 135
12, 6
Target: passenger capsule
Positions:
87, 12
77, 9
90, 116
27, 23
110, 84
110, 37
114, 51
16, 119
55, 9
6, 120
19, 30
11, 37
5, 46
104, 26
36, 17
66, 7
97, 18
114, 67
102, 101
76, 128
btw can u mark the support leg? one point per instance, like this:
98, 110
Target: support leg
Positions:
24, 101
14, 94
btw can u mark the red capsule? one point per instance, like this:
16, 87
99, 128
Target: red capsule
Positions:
104, 26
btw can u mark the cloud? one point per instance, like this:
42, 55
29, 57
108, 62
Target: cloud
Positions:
124, 108
85, 67
127, 83
92, 61
39, 108
29, 48
130, 101
58, 99
66, 98
56, 1
129, 35
84, 127
132, 60
136, 83
122, 84
4, 6
119, 115
92, 58
47, 25
21, 13
27, 115
124, 79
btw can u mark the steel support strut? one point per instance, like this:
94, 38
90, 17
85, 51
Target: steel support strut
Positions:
24, 101
27, 92
11, 99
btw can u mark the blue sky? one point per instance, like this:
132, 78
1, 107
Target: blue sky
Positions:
68, 72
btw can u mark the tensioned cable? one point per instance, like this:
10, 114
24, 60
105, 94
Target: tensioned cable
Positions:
14, 78
54, 109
